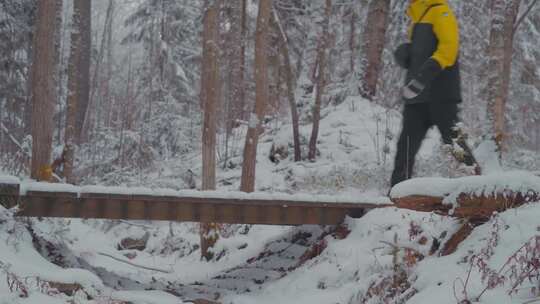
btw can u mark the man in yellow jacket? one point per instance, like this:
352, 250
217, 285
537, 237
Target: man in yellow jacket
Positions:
432, 89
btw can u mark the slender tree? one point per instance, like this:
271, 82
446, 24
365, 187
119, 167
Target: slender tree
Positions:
352, 37
210, 101
43, 89
323, 47
501, 42
247, 183
74, 86
290, 83
237, 91
83, 91
233, 79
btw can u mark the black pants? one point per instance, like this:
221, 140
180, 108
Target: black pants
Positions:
417, 120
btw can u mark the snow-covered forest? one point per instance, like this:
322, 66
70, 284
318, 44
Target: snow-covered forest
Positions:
293, 97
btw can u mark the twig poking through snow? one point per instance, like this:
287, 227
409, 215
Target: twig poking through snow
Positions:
137, 224
133, 264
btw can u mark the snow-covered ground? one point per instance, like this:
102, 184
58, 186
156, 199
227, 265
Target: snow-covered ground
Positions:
389, 256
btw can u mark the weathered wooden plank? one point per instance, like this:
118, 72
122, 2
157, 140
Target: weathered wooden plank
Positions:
9, 189
240, 211
47, 204
9, 194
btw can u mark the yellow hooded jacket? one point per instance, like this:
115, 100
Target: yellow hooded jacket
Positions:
445, 27
434, 34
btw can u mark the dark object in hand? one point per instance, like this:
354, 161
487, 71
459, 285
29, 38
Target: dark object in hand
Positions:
423, 79
402, 55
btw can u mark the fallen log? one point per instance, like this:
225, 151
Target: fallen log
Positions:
472, 197
421, 203
476, 207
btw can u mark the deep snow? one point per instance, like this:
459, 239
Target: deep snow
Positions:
265, 264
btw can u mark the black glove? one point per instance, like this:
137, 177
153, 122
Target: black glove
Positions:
402, 55
429, 71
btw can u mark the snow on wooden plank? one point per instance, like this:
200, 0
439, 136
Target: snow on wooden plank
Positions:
8, 179
214, 196
47, 187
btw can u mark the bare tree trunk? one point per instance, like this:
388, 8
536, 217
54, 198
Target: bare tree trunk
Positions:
210, 86
74, 86
58, 64
109, 33
352, 38
525, 14
84, 72
242, 71
289, 80
247, 183
126, 112
233, 81
321, 81
43, 89
374, 38
501, 40
93, 86
273, 80
237, 93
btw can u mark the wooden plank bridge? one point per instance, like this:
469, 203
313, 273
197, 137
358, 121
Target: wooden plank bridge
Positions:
42, 200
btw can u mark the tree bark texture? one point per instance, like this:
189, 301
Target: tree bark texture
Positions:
43, 89
247, 183
84, 72
374, 40
210, 102
500, 52
74, 86
321, 80
236, 92
289, 80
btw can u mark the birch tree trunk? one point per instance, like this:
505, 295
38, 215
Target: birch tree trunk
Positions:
500, 53
321, 81
210, 102
43, 89
247, 183
374, 38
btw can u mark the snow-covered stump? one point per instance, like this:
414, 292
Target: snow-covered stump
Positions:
475, 198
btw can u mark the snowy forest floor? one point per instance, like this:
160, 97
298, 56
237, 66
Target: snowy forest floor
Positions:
389, 256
